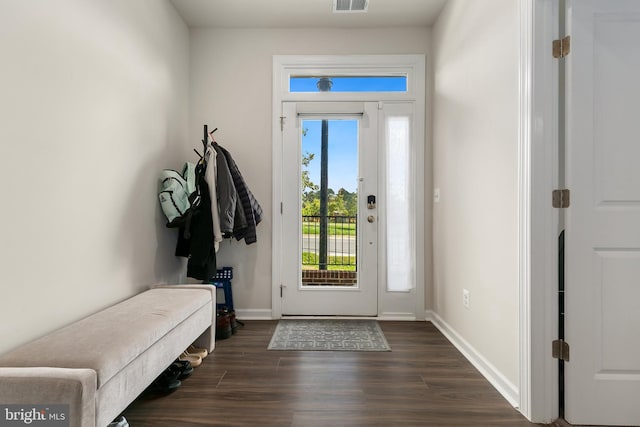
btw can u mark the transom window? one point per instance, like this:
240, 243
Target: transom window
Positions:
309, 84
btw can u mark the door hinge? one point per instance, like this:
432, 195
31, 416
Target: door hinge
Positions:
561, 47
282, 122
560, 350
281, 208
561, 198
281, 289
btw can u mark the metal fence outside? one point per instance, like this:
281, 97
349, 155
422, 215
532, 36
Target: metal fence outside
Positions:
342, 240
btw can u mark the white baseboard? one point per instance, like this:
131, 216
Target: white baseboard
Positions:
505, 387
254, 314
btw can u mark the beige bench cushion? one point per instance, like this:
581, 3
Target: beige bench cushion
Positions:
112, 338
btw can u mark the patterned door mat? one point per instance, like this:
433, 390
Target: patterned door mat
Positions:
329, 334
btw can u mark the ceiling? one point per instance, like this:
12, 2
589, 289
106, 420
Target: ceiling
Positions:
305, 13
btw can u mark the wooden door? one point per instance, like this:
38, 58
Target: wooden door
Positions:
602, 263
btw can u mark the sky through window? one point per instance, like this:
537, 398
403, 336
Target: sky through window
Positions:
351, 84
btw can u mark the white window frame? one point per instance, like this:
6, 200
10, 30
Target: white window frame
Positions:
412, 66
285, 66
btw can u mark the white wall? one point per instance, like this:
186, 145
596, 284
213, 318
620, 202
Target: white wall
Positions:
231, 81
93, 105
475, 123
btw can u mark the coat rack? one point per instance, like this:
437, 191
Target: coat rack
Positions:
205, 139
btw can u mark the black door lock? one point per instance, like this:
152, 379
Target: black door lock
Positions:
371, 201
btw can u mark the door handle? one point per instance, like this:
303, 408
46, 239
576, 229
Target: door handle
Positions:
371, 218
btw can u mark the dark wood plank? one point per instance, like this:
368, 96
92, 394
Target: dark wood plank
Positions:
423, 381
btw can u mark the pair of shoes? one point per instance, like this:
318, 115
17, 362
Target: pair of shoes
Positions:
194, 360
196, 351
167, 382
120, 422
182, 368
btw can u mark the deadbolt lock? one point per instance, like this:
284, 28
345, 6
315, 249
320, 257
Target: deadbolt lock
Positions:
371, 202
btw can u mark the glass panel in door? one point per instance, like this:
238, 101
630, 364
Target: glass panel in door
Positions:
329, 194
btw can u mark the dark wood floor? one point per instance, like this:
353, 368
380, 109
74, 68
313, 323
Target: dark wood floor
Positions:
423, 381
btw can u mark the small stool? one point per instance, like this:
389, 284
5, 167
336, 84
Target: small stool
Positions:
222, 281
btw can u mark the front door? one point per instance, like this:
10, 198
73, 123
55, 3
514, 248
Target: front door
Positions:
602, 262
329, 212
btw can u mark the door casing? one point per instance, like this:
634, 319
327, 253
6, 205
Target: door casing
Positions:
412, 65
538, 220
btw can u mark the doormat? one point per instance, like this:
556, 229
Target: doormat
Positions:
329, 335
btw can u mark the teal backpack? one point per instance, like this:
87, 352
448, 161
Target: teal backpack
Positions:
178, 195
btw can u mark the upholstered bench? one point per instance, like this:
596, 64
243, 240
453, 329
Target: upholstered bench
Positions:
101, 363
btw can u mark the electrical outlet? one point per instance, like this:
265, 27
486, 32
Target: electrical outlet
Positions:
466, 298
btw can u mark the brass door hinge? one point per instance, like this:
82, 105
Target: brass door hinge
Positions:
561, 198
561, 47
560, 350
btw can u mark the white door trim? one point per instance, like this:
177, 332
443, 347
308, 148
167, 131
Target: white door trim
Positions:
538, 221
524, 200
412, 65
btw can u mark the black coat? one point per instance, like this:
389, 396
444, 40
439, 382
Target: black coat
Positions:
250, 206
195, 240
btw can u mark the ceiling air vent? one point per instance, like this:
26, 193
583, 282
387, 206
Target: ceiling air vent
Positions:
350, 6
